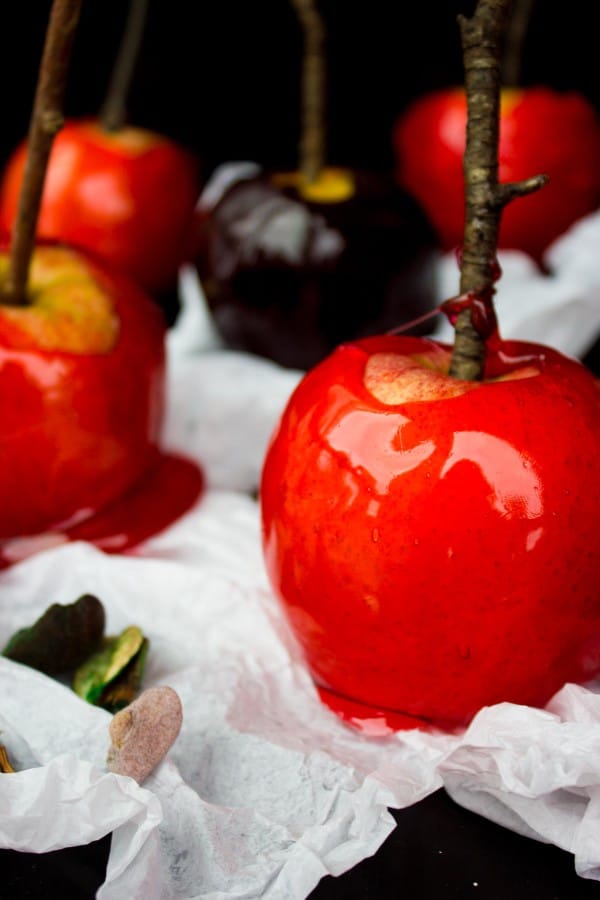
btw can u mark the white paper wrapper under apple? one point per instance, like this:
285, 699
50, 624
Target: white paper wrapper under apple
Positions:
264, 791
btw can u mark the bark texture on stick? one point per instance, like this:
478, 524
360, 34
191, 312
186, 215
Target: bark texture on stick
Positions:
312, 140
482, 41
518, 24
46, 121
114, 110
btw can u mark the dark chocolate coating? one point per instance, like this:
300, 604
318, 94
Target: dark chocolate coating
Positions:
290, 280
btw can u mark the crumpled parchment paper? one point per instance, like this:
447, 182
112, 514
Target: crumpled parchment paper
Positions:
265, 791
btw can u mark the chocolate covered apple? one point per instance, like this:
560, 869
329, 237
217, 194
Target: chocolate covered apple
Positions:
290, 272
293, 263
430, 514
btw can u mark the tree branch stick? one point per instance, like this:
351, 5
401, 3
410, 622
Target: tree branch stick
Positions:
482, 37
312, 141
46, 121
515, 38
114, 109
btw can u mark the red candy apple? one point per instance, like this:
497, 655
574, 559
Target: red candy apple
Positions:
541, 130
81, 371
430, 515
434, 541
81, 392
126, 196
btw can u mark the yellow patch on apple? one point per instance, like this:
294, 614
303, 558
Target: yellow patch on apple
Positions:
332, 185
68, 310
393, 378
131, 141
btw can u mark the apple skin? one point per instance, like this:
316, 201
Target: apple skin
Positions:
541, 131
439, 554
77, 429
127, 197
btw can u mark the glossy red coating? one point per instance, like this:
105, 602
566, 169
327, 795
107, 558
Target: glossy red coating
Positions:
164, 494
439, 555
127, 197
541, 131
78, 430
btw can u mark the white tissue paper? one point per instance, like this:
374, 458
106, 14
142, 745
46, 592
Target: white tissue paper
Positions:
560, 308
265, 791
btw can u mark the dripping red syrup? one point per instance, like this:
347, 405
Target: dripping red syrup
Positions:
483, 314
376, 722
169, 490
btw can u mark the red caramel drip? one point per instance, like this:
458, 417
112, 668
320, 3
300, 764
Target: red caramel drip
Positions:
495, 267
165, 495
483, 315
169, 491
375, 722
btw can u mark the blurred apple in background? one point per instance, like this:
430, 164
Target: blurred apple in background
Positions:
291, 270
541, 130
126, 196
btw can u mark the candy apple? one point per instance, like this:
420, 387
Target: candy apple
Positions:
541, 130
434, 542
81, 394
290, 269
126, 196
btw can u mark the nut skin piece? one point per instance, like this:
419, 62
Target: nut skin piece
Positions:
143, 733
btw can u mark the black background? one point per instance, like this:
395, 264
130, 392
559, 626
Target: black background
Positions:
223, 77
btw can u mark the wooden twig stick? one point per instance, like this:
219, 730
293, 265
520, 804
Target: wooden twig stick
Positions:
515, 38
482, 37
46, 121
312, 140
113, 114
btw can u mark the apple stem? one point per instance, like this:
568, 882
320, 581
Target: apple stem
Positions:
113, 114
312, 141
518, 24
46, 122
5, 763
482, 38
